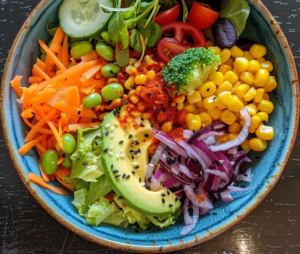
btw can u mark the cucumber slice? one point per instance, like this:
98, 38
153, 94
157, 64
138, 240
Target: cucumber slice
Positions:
82, 19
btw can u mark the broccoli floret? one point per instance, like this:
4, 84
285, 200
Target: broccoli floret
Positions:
189, 70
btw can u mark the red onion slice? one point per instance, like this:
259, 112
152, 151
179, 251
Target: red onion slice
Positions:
219, 173
240, 138
187, 229
196, 201
188, 220
210, 134
209, 141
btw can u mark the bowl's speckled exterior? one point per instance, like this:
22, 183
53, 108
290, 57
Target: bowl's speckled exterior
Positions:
267, 166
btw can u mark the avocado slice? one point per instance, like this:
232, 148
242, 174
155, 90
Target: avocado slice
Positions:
125, 167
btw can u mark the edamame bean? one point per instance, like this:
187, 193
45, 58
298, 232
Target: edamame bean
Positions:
81, 48
49, 161
112, 91
92, 100
67, 163
81, 184
110, 70
105, 51
69, 143
43, 57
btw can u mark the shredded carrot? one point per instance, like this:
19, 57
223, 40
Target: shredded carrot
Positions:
72, 96
60, 160
52, 177
87, 112
63, 172
44, 96
16, 85
44, 175
85, 120
91, 56
36, 179
100, 83
39, 72
50, 142
28, 113
73, 119
51, 55
41, 64
56, 134
74, 127
64, 120
25, 148
58, 37
41, 147
35, 129
65, 53
88, 89
91, 72
33, 80
66, 108
66, 185
56, 48
41, 130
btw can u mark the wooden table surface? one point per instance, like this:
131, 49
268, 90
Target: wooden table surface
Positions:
25, 227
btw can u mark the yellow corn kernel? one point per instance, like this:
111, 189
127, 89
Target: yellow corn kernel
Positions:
225, 86
140, 79
193, 121
131, 92
266, 96
151, 75
216, 50
209, 44
261, 78
253, 106
198, 111
179, 98
214, 113
236, 85
167, 127
245, 146
112, 80
231, 136
248, 55
134, 98
136, 113
217, 77
243, 101
222, 139
236, 52
195, 97
224, 97
257, 144
129, 83
236, 72
260, 59
254, 66
149, 61
247, 77
264, 116
227, 117
241, 64
267, 65
235, 127
266, 106
224, 68
162, 65
221, 106
189, 107
225, 55
199, 104
265, 132
207, 89
238, 116
180, 106
132, 61
146, 115
259, 95
249, 96
131, 70
205, 119
271, 85
258, 50
229, 62
231, 77
235, 105
255, 121
101, 116
210, 102
242, 90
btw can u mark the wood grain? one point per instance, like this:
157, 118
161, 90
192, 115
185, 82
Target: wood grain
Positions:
274, 227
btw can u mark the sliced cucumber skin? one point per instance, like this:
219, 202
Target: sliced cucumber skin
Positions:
117, 3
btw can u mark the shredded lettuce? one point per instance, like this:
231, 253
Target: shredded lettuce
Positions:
70, 181
117, 219
79, 200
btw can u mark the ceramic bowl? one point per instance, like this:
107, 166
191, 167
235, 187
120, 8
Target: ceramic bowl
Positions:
267, 166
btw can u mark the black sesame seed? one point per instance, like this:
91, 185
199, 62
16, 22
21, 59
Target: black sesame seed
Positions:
136, 167
170, 205
136, 151
137, 143
106, 133
123, 175
148, 187
133, 172
212, 127
155, 217
163, 194
168, 148
120, 208
120, 197
142, 125
84, 164
117, 176
152, 124
146, 135
130, 136
96, 143
176, 199
132, 157
111, 72
194, 131
157, 85
121, 142
148, 94
131, 151
79, 112
163, 200
163, 109
132, 86
168, 192
136, 231
160, 248
246, 175
112, 166
139, 150
142, 118
149, 179
115, 171
77, 159
127, 177
105, 150
140, 179
214, 213
214, 98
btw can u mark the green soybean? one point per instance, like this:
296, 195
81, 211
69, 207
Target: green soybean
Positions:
92, 100
49, 162
69, 143
43, 57
81, 48
81, 184
105, 36
110, 70
112, 91
67, 163
105, 51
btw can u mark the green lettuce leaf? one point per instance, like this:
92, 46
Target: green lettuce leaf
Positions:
70, 181
79, 200
117, 219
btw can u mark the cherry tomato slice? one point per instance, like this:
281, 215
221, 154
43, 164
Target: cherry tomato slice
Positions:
201, 16
168, 16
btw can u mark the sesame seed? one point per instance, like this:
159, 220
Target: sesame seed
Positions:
131, 151
115, 171
85, 163
136, 167
136, 151
127, 177
111, 147
152, 124
112, 136
149, 94
163, 200
111, 154
122, 155
170, 205
143, 184
130, 136
228, 187
140, 179
107, 126
135, 139
138, 155
118, 156
120, 197
154, 107
117, 176
142, 125
133, 172
157, 85
146, 135
163, 109
168, 192
134, 163
176, 199
79, 112
132, 157
163, 194
105, 150
106, 133
123, 175
112, 166
142, 118
132, 86
112, 128
160, 248
111, 72
121, 142
121, 150
96, 143
116, 124
132, 145
77, 159
137, 143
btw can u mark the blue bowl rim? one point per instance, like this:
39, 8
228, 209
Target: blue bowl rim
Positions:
181, 245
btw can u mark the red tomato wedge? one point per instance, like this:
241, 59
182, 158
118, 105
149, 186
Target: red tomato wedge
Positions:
167, 16
201, 16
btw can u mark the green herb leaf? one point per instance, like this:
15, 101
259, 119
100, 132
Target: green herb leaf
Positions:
122, 56
51, 28
185, 11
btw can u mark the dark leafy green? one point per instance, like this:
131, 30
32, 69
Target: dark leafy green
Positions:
51, 28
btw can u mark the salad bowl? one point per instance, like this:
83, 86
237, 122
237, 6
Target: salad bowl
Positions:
267, 167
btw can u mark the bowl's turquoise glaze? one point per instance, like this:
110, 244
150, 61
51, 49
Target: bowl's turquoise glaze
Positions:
267, 166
